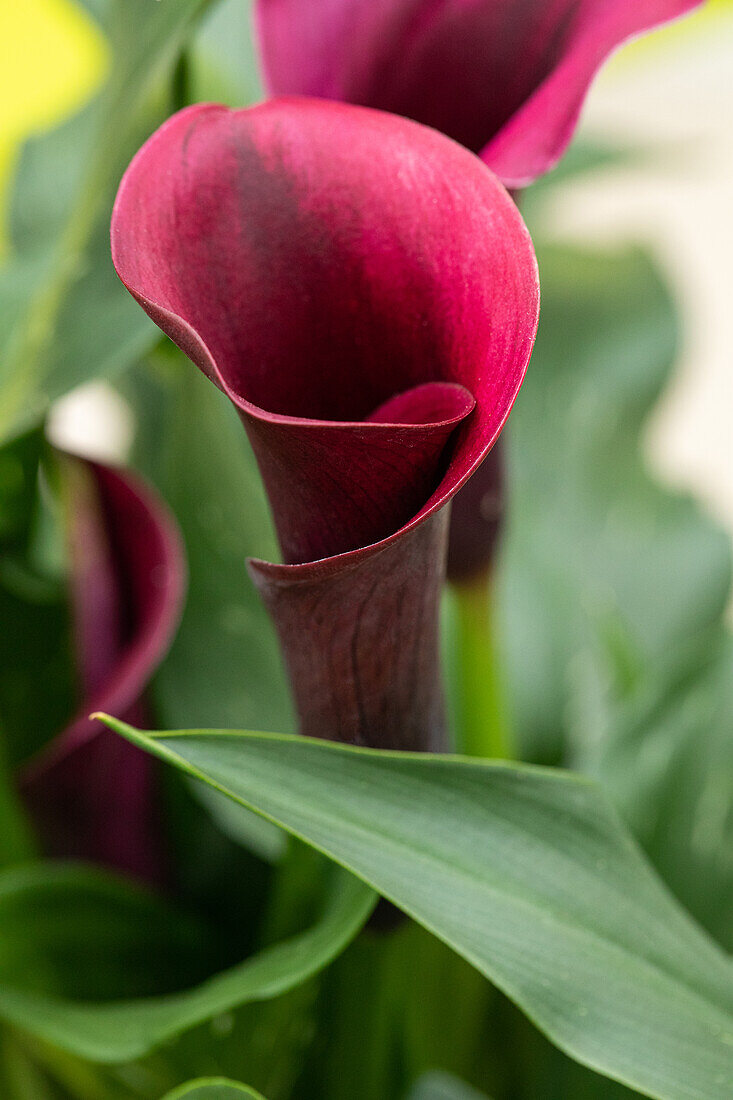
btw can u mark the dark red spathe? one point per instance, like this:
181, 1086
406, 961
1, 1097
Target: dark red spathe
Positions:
365, 292
91, 792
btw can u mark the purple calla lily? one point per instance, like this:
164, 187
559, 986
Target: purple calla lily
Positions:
365, 292
89, 792
505, 78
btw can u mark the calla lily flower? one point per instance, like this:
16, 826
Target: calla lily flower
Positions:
89, 792
505, 78
365, 292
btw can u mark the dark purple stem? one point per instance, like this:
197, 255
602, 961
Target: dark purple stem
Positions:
362, 645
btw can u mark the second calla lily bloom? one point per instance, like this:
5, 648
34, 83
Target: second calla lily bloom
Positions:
91, 795
506, 78
365, 292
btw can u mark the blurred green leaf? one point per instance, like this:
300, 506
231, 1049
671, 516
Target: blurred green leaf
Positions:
442, 1086
527, 873
65, 317
117, 1031
16, 842
393, 1007
582, 159
36, 676
666, 757
243, 827
35, 672
70, 929
213, 1088
225, 58
596, 554
224, 667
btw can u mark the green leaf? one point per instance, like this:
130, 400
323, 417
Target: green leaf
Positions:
243, 827
213, 1088
526, 872
68, 317
35, 671
118, 1031
224, 666
597, 556
69, 928
225, 56
666, 758
16, 842
37, 690
442, 1086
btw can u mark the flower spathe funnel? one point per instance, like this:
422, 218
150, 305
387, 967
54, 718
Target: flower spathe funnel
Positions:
364, 291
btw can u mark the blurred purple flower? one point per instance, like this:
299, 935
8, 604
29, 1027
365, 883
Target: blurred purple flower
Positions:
89, 792
505, 78
365, 292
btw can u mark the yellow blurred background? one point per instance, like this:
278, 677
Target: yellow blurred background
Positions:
52, 59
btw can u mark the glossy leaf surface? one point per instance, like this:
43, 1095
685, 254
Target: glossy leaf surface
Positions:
540, 887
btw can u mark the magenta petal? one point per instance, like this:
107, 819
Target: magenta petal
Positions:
505, 76
89, 792
337, 487
538, 133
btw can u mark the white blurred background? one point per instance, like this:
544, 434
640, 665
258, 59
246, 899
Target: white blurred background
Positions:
671, 96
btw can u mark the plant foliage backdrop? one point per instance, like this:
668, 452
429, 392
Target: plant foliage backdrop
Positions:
540, 906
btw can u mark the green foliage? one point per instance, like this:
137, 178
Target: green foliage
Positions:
65, 318
541, 889
36, 689
74, 930
440, 1086
224, 666
213, 1089
610, 599
117, 1030
666, 756
602, 571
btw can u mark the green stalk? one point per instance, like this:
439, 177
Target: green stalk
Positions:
16, 840
182, 82
484, 728
78, 1078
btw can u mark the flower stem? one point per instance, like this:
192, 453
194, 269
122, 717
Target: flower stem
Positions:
484, 728
181, 82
